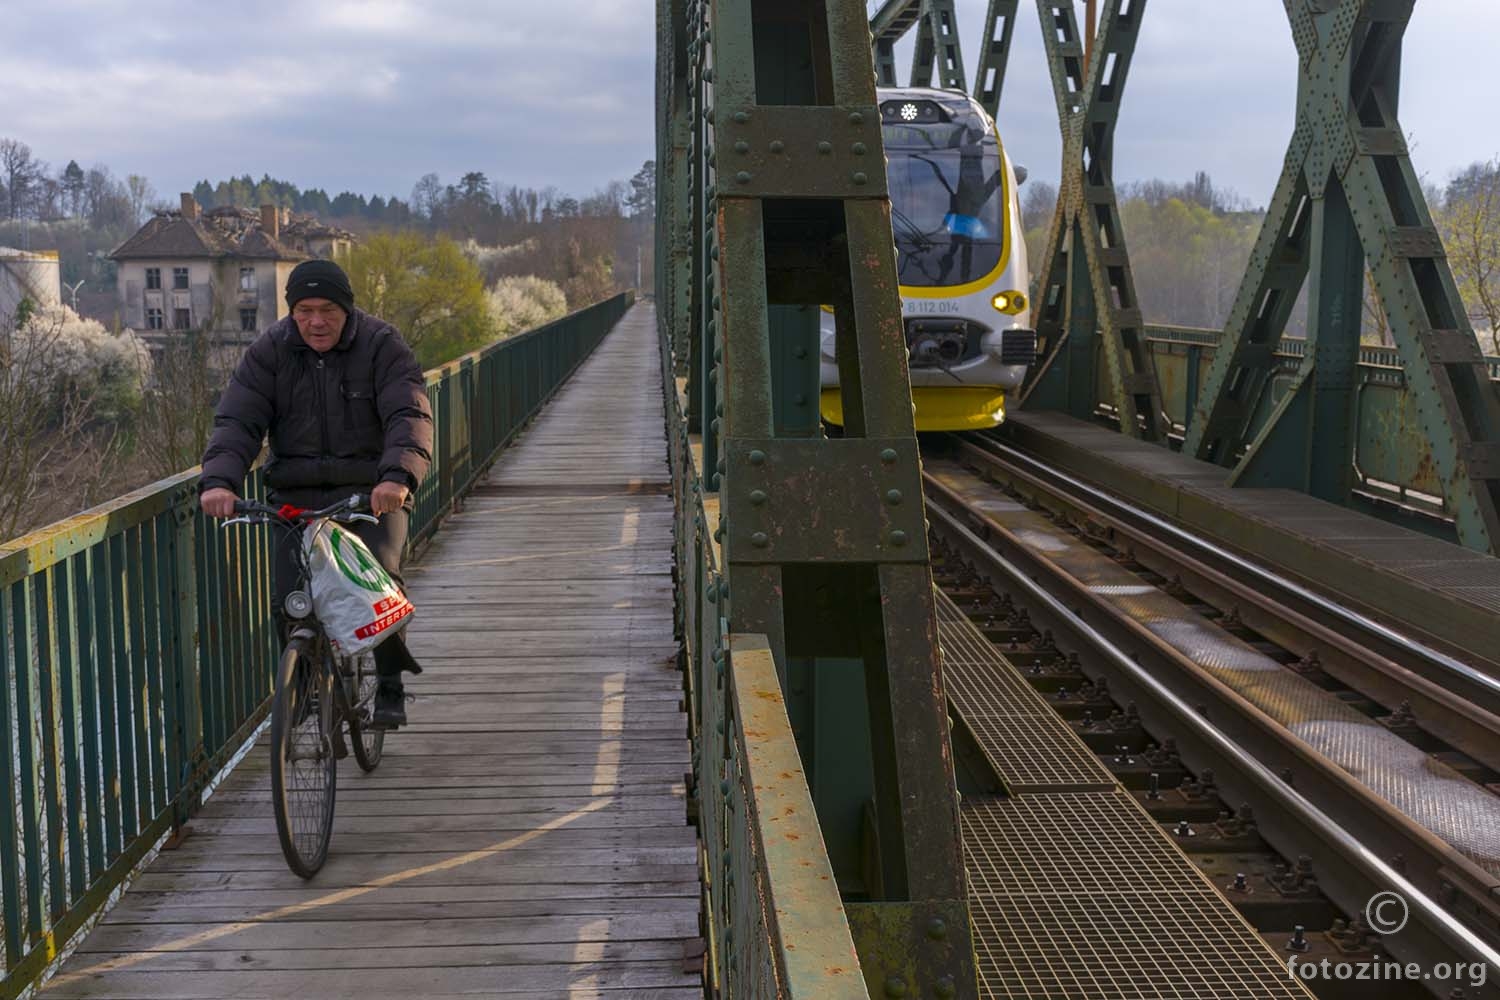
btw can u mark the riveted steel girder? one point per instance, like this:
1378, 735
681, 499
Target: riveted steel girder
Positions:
824, 547
938, 45
937, 42
674, 231
994, 54
1348, 195
1086, 280
891, 21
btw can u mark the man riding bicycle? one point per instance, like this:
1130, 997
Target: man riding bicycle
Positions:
345, 404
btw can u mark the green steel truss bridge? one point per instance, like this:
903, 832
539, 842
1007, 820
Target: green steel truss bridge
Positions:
1185, 681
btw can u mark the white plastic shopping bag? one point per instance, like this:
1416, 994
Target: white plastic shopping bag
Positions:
358, 603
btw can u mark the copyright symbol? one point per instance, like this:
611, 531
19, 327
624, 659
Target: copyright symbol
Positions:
1386, 912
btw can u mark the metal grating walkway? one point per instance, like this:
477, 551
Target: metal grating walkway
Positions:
1074, 890
526, 835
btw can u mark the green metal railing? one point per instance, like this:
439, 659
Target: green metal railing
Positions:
776, 925
1392, 452
482, 399
136, 649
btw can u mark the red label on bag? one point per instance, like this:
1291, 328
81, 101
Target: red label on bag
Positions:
384, 622
387, 603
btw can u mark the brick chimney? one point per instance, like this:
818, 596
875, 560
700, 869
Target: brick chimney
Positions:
189, 206
270, 221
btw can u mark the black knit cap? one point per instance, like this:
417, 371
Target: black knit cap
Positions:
319, 279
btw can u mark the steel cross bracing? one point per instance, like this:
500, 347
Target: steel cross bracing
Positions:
1086, 282
1347, 199
938, 41
824, 548
994, 54
893, 20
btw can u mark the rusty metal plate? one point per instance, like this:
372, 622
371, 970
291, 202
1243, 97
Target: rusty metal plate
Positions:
1415, 241
1452, 347
799, 152
1483, 460
1379, 141
846, 500
911, 949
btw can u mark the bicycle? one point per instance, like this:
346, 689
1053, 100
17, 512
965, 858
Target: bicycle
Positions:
316, 694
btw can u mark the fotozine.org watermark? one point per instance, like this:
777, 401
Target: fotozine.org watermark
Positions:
1474, 974
1387, 913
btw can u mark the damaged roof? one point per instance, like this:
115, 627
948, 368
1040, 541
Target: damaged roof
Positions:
225, 232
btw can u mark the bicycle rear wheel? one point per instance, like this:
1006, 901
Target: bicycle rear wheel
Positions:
304, 773
369, 744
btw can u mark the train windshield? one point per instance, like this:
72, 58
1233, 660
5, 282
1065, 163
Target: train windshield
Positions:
947, 202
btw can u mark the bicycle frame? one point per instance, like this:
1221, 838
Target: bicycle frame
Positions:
305, 626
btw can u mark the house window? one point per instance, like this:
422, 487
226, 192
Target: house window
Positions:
179, 277
153, 316
247, 279
247, 320
181, 319
153, 277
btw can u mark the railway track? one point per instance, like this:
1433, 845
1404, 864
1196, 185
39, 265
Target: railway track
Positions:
1308, 756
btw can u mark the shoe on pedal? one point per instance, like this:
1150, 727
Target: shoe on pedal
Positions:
390, 706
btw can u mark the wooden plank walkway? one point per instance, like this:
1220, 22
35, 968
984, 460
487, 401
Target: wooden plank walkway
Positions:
526, 836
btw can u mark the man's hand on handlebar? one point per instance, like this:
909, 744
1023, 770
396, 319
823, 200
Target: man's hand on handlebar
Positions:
386, 497
218, 502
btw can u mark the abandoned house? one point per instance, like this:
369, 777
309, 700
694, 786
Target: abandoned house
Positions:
220, 270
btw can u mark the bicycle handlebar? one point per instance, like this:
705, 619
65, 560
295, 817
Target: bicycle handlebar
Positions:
353, 508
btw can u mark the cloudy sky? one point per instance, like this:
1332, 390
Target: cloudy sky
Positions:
369, 95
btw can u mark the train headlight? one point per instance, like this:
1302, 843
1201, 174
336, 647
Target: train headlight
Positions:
909, 112
1010, 303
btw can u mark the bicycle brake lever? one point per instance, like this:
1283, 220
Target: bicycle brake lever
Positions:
360, 517
238, 520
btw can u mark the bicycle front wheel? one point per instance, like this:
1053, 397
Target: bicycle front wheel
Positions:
304, 773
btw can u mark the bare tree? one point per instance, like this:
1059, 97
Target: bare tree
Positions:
106, 200
1470, 223
141, 195
427, 197
21, 172
177, 411
1377, 326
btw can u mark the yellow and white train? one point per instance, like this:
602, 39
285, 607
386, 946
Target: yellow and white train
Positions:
960, 260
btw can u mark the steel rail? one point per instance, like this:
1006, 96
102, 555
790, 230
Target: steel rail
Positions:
1477, 685
1354, 871
1465, 715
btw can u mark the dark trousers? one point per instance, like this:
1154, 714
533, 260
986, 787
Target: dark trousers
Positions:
386, 542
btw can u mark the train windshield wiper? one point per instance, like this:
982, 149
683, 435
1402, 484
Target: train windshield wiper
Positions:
911, 231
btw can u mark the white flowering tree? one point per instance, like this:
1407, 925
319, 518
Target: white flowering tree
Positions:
65, 383
518, 304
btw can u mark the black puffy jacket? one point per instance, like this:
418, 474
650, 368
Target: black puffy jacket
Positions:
352, 417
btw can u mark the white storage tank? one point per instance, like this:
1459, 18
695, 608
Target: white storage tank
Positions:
28, 274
